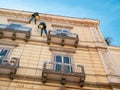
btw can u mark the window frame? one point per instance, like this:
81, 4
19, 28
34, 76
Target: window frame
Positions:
63, 55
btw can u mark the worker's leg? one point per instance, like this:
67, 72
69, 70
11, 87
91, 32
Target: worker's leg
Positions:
45, 31
35, 20
31, 19
41, 32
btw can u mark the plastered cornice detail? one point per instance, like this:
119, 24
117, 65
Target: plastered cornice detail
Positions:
50, 18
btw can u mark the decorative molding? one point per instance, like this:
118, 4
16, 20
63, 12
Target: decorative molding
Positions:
114, 48
96, 37
114, 79
18, 20
95, 34
62, 26
61, 49
8, 43
111, 72
49, 18
105, 57
69, 21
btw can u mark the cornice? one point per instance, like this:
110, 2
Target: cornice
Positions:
116, 48
49, 18
61, 49
62, 26
8, 43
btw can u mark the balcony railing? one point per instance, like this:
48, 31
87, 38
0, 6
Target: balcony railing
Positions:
15, 31
9, 67
63, 73
63, 38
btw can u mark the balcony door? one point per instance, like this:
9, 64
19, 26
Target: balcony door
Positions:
62, 63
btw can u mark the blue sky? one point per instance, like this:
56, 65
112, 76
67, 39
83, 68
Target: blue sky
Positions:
107, 11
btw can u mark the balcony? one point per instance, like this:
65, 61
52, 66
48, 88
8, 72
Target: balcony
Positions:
62, 37
63, 72
15, 31
9, 67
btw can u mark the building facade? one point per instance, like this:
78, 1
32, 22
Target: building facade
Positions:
73, 56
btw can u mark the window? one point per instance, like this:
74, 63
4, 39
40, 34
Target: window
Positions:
62, 63
65, 33
3, 54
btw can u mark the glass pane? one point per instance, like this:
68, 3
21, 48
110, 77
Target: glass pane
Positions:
67, 66
3, 53
58, 59
58, 67
67, 60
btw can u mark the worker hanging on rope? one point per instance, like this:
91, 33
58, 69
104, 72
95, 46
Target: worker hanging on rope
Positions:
43, 27
34, 16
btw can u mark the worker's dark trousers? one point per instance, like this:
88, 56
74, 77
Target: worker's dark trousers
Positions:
45, 31
32, 19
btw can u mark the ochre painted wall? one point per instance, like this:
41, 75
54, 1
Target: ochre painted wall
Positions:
34, 53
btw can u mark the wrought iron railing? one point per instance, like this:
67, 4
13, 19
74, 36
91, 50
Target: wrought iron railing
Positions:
63, 72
